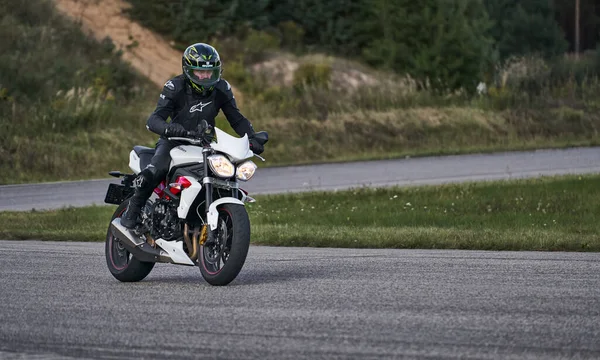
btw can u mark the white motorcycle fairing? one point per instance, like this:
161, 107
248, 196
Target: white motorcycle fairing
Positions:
185, 154
175, 251
188, 196
237, 149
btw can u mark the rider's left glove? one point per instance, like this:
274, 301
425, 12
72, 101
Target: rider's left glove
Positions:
256, 147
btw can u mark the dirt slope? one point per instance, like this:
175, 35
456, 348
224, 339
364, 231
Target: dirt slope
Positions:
153, 57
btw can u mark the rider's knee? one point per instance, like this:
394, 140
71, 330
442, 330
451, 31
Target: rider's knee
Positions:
147, 178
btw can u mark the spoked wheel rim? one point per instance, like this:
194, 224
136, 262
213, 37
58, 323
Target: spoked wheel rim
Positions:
215, 256
119, 256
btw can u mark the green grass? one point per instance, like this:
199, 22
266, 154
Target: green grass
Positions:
551, 213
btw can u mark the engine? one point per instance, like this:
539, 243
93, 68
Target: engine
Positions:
165, 222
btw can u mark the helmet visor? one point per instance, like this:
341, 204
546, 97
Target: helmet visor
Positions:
203, 76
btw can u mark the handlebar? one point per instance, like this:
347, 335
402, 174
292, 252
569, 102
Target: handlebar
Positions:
188, 139
201, 137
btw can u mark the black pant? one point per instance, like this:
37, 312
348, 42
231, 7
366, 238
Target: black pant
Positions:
161, 160
152, 174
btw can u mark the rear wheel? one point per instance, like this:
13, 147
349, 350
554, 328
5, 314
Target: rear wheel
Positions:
121, 263
222, 261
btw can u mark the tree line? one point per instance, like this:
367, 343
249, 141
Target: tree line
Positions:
447, 44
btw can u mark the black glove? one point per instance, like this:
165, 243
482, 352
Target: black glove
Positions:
175, 130
256, 147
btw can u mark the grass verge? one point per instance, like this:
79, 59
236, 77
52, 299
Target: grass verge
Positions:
550, 214
419, 131
398, 133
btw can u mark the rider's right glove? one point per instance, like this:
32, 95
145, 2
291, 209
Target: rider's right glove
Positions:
175, 130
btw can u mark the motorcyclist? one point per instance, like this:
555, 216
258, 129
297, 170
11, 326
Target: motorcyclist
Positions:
195, 95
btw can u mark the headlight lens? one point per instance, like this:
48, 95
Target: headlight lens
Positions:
246, 170
221, 166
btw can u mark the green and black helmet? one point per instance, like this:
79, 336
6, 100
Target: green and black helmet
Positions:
202, 66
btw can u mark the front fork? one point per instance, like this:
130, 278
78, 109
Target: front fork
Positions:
208, 191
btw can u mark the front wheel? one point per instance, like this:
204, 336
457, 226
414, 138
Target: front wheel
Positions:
121, 263
222, 261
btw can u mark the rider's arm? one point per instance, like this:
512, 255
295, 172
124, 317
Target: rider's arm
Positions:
238, 122
157, 122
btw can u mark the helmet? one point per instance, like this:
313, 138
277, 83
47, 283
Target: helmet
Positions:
201, 65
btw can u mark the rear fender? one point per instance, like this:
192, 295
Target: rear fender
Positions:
213, 214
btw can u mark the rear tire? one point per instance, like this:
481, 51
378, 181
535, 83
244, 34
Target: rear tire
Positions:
221, 263
121, 263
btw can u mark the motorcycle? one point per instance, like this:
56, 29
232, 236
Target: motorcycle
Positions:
196, 216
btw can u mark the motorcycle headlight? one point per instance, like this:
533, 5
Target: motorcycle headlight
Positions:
221, 166
246, 170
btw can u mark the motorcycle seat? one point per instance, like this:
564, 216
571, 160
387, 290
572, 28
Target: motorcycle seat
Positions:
139, 150
145, 154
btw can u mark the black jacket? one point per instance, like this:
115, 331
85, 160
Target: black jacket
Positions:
183, 106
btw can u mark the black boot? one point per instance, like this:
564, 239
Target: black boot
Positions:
130, 217
144, 184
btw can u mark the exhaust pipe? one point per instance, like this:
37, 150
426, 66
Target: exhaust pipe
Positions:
137, 246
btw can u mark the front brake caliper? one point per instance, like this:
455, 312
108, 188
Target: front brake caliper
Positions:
203, 234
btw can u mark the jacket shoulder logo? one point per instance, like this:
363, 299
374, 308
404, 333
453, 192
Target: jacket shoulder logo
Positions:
199, 107
169, 85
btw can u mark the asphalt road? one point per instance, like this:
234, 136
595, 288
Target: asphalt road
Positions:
59, 301
416, 171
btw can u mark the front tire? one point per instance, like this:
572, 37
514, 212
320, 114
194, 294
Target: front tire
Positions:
121, 263
221, 263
